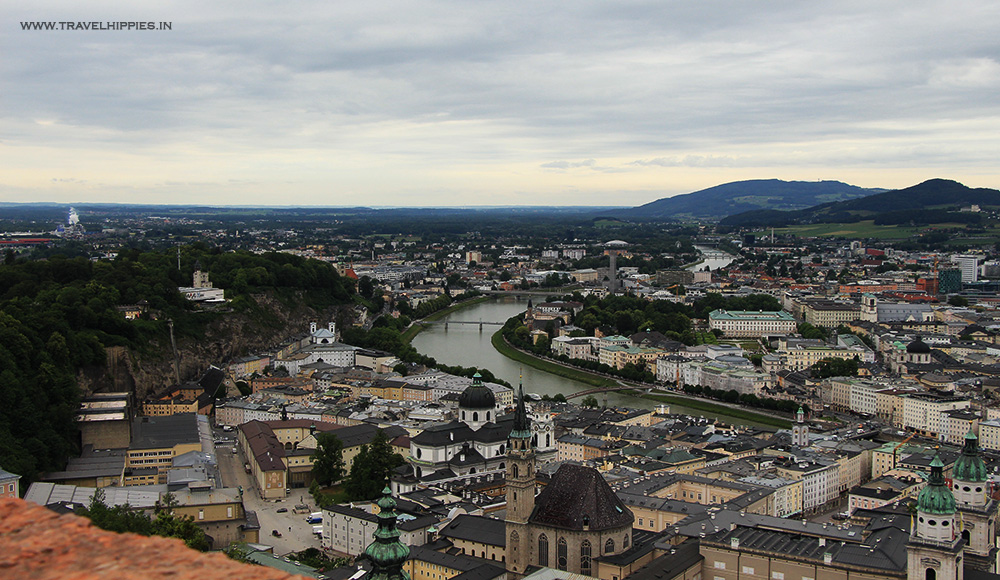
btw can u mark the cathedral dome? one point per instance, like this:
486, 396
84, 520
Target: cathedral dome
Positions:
969, 466
477, 395
936, 498
918, 346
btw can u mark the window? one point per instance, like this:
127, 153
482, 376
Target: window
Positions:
778, 575
229, 511
720, 565
609, 546
748, 570
543, 550
585, 558
514, 541
561, 554
201, 514
640, 521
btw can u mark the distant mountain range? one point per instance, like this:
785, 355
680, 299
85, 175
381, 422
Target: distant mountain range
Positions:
933, 201
742, 196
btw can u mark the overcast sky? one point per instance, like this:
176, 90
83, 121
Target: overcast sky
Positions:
481, 102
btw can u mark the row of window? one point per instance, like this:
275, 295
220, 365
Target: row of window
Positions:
562, 551
720, 565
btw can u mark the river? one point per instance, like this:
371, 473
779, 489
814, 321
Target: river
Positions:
713, 258
467, 346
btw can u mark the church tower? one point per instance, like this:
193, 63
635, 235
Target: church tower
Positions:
520, 489
800, 430
935, 548
387, 553
869, 307
977, 511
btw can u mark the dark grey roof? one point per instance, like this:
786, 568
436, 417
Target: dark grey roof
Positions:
167, 431
453, 561
671, 564
883, 550
578, 495
478, 529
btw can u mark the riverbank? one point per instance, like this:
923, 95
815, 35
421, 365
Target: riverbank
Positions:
416, 326
580, 375
574, 374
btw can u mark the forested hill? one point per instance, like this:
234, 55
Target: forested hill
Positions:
57, 316
933, 201
741, 196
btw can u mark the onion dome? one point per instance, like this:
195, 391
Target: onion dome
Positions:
477, 395
969, 466
918, 346
936, 498
387, 553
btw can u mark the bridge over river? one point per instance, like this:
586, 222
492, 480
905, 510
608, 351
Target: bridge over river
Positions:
481, 323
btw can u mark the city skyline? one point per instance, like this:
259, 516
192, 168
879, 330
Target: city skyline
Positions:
451, 104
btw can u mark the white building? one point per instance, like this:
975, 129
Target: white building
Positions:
747, 324
969, 265
925, 412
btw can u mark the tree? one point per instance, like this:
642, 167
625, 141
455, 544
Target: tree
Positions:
328, 459
122, 518
835, 367
959, 301
240, 552
559, 398
589, 401
371, 468
170, 525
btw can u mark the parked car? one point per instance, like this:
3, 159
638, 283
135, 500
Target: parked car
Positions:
276, 533
282, 510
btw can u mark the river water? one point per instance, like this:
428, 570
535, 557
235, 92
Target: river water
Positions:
467, 346
713, 258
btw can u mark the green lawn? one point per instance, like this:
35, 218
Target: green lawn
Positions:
862, 229
713, 408
543, 365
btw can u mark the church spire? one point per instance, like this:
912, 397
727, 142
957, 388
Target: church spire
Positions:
522, 428
387, 553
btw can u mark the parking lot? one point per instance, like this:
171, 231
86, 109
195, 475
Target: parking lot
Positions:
296, 533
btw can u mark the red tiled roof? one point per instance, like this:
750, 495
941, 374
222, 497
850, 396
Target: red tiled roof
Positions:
38, 544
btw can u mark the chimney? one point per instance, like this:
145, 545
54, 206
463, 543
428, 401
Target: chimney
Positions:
312, 327
734, 543
822, 542
827, 558
331, 327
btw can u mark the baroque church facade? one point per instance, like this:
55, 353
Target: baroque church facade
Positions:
576, 519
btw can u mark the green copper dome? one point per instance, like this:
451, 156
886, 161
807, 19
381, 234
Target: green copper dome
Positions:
936, 498
387, 553
969, 466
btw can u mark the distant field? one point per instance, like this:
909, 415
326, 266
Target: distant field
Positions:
862, 229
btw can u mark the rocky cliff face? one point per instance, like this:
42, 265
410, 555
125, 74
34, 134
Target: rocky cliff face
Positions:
231, 335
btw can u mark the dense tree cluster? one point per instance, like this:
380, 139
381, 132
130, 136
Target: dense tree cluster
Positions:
835, 367
58, 315
748, 399
371, 468
123, 518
